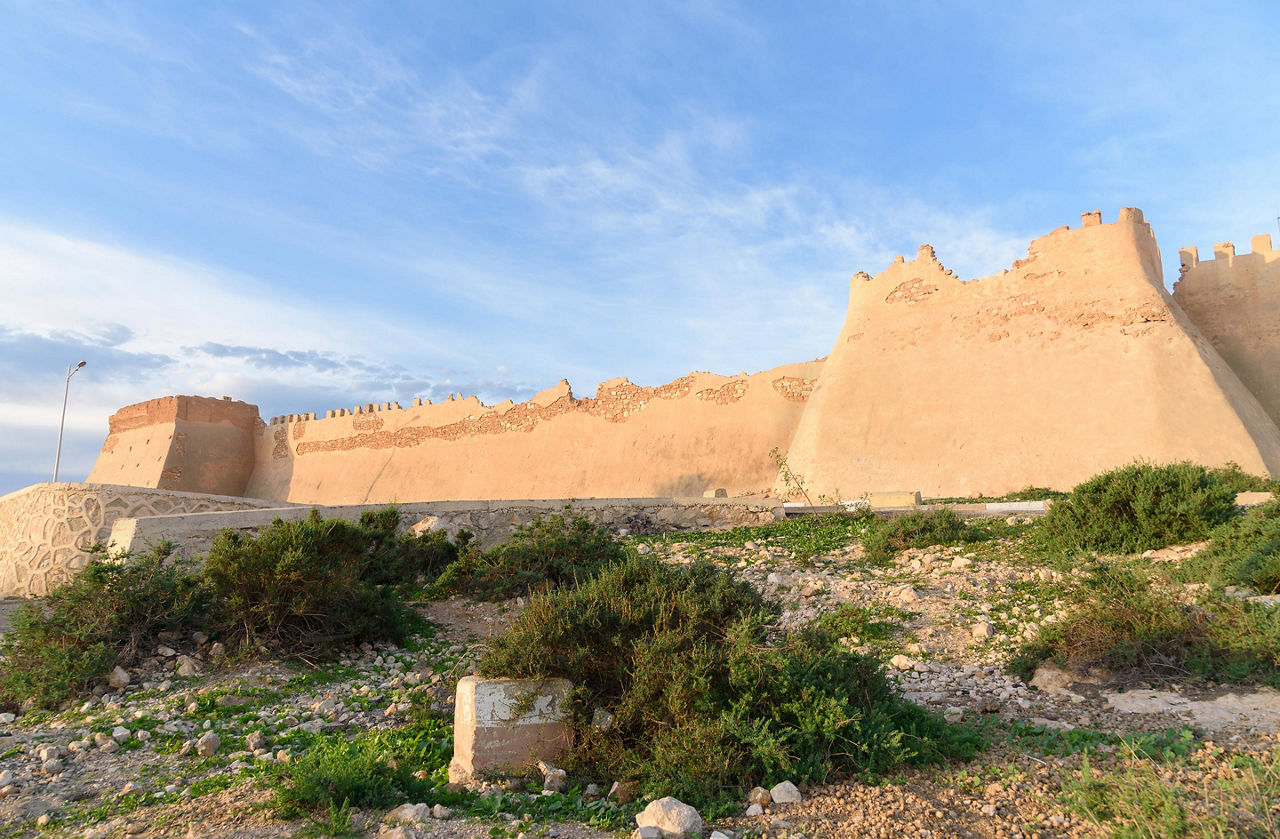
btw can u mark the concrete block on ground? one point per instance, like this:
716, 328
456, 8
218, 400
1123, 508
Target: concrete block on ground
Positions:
716, 493
881, 500
1015, 507
507, 725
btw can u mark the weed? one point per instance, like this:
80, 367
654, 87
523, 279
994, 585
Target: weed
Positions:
373, 769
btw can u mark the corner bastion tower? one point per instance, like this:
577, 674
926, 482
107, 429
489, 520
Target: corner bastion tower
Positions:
1074, 360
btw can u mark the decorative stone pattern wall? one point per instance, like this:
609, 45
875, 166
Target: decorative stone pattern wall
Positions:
45, 527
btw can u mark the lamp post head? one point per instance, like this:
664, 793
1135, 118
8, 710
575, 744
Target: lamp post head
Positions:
81, 364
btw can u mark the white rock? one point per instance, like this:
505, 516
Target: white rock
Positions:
643, 549
982, 629
166, 652
645, 833
901, 662
441, 812
6, 777
118, 678
960, 563
785, 793
716, 834
120, 734
7, 718
671, 816
52, 766
755, 810
408, 813
208, 744
188, 666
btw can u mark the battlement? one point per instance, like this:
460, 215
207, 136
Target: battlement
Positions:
1260, 245
1127, 240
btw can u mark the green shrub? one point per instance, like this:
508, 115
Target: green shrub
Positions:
1243, 552
396, 559
1126, 624
701, 703
1140, 507
539, 556
918, 529
110, 613
306, 587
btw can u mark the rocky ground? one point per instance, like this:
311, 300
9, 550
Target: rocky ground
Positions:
172, 755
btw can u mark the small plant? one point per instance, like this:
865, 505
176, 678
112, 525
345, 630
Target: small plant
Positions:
109, 614
918, 529
1140, 507
792, 480
539, 556
373, 769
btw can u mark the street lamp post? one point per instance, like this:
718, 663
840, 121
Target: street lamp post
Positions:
57, 460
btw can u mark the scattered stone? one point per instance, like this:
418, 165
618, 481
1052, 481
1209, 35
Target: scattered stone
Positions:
208, 744
7, 718
118, 678
982, 631
441, 812
960, 563
901, 662
759, 795
643, 549
255, 740
6, 777
120, 734
671, 816
188, 666
553, 779
623, 792
755, 810
649, 832
785, 793
52, 766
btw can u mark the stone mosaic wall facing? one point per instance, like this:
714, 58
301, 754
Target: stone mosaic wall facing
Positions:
45, 528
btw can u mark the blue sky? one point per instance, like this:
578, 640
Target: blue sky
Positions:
309, 206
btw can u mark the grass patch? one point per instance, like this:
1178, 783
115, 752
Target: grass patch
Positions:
1125, 623
378, 768
1141, 507
1137, 801
701, 703
805, 536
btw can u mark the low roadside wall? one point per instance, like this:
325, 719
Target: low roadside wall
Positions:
45, 527
491, 521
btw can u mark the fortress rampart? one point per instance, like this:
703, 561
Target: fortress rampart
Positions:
1074, 360
1234, 299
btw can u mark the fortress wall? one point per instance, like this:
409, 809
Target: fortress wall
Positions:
1072, 362
699, 432
45, 528
182, 443
1234, 300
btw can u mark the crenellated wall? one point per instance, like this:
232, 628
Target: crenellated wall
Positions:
1234, 299
1072, 361
700, 432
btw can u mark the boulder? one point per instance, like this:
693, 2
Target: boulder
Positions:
785, 793
672, 816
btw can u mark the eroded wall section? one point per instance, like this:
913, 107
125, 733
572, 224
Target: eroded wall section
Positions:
699, 432
1235, 301
1072, 362
183, 443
